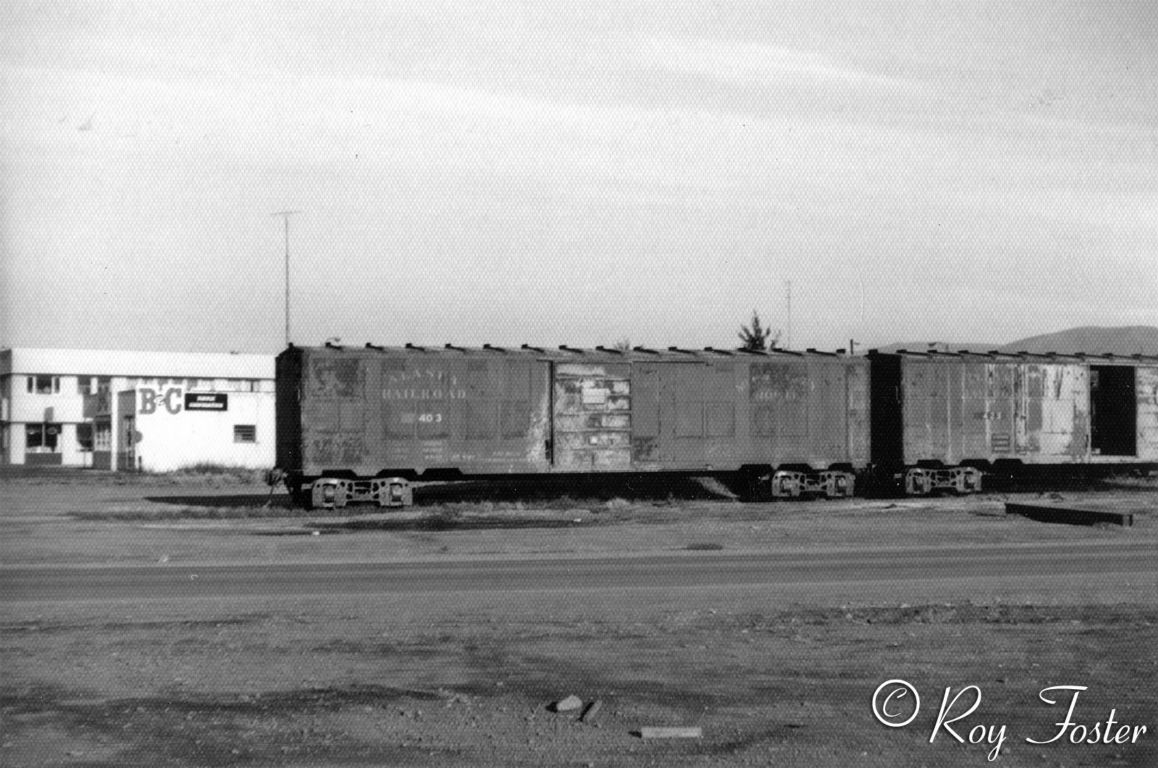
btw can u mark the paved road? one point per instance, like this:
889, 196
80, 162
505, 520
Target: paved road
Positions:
1135, 562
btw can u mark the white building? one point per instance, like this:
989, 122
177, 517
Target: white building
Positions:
154, 411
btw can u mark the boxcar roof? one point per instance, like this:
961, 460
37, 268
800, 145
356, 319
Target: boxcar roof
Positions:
568, 353
997, 355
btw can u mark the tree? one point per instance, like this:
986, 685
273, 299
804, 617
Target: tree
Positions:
756, 337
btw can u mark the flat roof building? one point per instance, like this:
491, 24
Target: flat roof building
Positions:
154, 411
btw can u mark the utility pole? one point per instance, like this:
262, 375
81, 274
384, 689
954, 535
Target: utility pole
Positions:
285, 217
788, 290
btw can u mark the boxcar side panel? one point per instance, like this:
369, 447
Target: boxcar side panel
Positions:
723, 444
925, 410
682, 389
953, 408
1000, 395
956, 411
1146, 390
684, 416
646, 450
779, 397
1054, 415
333, 412
857, 426
973, 426
827, 413
592, 430
373, 411
368, 413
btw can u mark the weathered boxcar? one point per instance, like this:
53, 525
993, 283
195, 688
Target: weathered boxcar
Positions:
351, 420
942, 416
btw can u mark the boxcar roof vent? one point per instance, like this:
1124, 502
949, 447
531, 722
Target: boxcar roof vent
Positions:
332, 345
415, 346
681, 351
612, 351
495, 349
375, 346
536, 349
566, 348
719, 351
451, 346
645, 350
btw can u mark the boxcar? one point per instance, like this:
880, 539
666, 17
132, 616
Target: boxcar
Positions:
355, 423
940, 417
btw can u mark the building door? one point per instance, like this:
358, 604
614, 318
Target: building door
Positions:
128, 454
102, 444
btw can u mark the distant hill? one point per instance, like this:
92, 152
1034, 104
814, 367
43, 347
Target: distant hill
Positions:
1128, 340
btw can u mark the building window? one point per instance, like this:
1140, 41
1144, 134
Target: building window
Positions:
104, 384
84, 385
84, 437
244, 433
41, 438
103, 436
44, 385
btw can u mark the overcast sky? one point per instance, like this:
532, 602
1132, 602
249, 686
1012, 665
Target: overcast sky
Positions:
575, 173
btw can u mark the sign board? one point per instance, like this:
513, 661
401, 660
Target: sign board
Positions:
206, 401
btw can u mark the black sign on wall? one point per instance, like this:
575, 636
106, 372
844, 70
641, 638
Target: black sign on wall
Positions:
215, 401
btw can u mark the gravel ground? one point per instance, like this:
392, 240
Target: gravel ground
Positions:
772, 676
